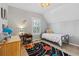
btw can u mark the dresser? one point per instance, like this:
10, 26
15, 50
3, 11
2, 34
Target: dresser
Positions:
11, 48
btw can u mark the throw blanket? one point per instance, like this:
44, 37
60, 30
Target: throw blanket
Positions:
53, 37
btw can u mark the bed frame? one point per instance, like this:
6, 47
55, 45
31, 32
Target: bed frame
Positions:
65, 37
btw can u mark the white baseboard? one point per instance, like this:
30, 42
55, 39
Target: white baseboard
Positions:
74, 44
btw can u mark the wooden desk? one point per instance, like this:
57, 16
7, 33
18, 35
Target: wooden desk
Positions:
11, 48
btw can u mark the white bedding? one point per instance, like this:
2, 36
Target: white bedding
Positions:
53, 37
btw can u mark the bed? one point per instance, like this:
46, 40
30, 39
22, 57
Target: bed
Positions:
57, 38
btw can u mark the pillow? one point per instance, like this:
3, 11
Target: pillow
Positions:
49, 30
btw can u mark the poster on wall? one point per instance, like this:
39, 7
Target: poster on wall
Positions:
3, 13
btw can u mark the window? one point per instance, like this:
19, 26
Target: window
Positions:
36, 26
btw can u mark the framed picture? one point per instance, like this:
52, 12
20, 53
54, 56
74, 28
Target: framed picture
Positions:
2, 13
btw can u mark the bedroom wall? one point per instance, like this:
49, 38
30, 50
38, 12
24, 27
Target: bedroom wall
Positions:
0, 21
16, 16
3, 21
69, 27
65, 19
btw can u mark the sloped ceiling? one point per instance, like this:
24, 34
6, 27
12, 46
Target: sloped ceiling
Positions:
35, 7
56, 12
66, 12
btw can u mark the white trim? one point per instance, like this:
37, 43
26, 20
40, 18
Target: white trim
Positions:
74, 44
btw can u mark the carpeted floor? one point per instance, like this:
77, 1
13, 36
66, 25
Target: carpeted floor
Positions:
43, 49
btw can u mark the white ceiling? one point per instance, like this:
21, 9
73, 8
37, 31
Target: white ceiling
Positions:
35, 7
66, 12
56, 12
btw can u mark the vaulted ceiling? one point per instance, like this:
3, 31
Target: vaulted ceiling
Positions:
35, 7
54, 13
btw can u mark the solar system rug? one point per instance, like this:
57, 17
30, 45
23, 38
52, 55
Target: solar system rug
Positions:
43, 49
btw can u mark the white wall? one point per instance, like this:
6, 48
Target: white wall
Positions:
0, 22
69, 27
65, 19
16, 16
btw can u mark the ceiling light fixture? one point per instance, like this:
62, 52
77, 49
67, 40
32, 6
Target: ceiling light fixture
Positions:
44, 5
